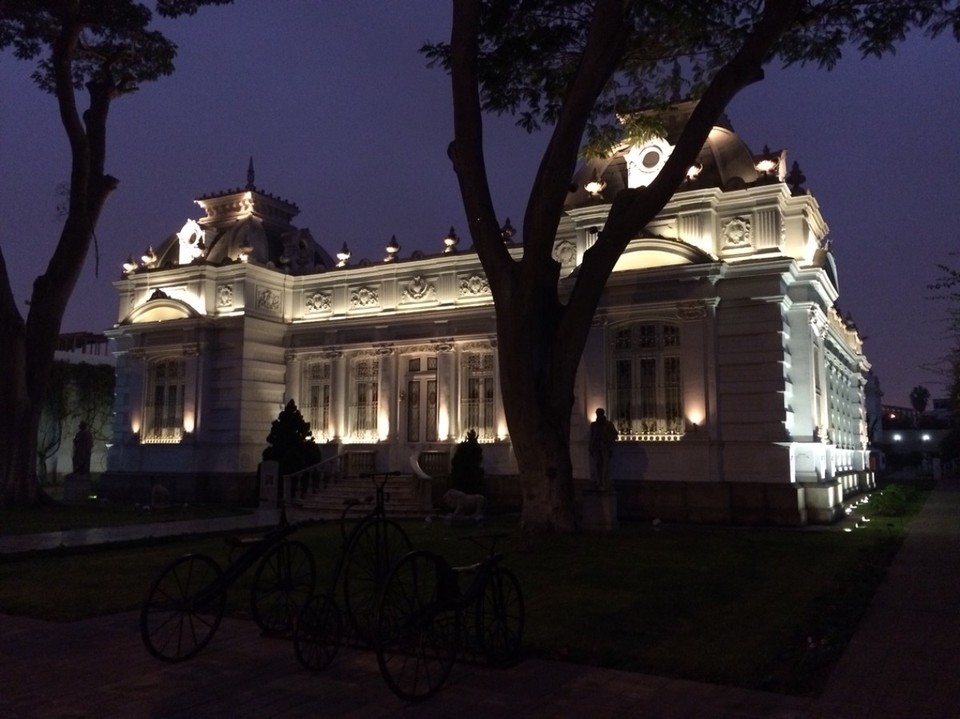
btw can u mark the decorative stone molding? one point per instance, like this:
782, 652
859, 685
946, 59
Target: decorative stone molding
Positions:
225, 296
419, 290
268, 299
366, 368
479, 346
818, 323
691, 310
736, 231
385, 348
191, 350
318, 301
474, 285
443, 345
365, 297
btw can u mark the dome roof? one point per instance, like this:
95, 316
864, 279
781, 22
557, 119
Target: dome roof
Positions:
243, 225
724, 162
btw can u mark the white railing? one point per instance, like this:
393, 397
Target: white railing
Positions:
309, 480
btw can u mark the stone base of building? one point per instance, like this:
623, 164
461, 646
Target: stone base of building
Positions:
241, 489
755, 503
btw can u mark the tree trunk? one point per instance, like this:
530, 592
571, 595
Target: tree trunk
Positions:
18, 423
27, 347
540, 341
537, 382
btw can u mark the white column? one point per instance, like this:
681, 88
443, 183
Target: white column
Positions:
339, 380
293, 378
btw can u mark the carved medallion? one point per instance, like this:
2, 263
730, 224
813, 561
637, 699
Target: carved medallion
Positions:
318, 302
364, 297
419, 290
474, 285
225, 296
268, 300
736, 231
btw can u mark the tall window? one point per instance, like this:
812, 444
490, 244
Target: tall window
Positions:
477, 403
318, 397
422, 399
645, 399
164, 400
366, 380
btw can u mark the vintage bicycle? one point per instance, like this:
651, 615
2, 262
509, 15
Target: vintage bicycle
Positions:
426, 621
185, 603
368, 552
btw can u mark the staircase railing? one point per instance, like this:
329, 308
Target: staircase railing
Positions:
310, 480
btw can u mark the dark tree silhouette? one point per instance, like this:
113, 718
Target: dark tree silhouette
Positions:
291, 442
103, 49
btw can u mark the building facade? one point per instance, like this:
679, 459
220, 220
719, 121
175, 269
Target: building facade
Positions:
735, 385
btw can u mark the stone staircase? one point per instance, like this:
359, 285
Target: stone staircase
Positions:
407, 496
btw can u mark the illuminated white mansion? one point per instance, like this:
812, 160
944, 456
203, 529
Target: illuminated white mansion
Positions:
717, 350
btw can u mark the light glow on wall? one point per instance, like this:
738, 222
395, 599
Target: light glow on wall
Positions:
135, 425
443, 422
383, 426
188, 422
695, 416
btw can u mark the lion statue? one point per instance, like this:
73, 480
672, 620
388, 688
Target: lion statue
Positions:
464, 505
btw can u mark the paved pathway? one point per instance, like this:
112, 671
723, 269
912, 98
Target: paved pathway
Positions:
903, 663
135, 532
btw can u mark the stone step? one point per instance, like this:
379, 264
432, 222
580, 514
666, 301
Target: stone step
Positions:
327, 499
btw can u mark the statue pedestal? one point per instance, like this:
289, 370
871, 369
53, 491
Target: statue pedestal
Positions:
599, 510
76, 487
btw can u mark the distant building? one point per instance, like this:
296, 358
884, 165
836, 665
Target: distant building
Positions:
736, 386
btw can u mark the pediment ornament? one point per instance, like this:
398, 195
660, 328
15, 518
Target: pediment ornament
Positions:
474, 285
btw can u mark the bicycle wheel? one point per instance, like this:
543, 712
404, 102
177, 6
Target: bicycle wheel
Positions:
319, 631
499, 618
418, 626
284, 581
183, 608
371, 554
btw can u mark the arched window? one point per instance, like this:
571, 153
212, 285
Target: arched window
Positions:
645, 398
477, 404
163, 415
318, 399
365, 398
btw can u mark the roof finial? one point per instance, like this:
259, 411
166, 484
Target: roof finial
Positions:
250, 185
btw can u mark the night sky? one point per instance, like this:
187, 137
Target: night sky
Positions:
342, 117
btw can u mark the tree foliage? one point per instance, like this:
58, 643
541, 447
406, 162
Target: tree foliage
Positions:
530, 51
919, 396
584, 69
99, 50
290, 442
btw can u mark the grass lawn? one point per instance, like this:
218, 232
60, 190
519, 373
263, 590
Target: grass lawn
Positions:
758, 608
